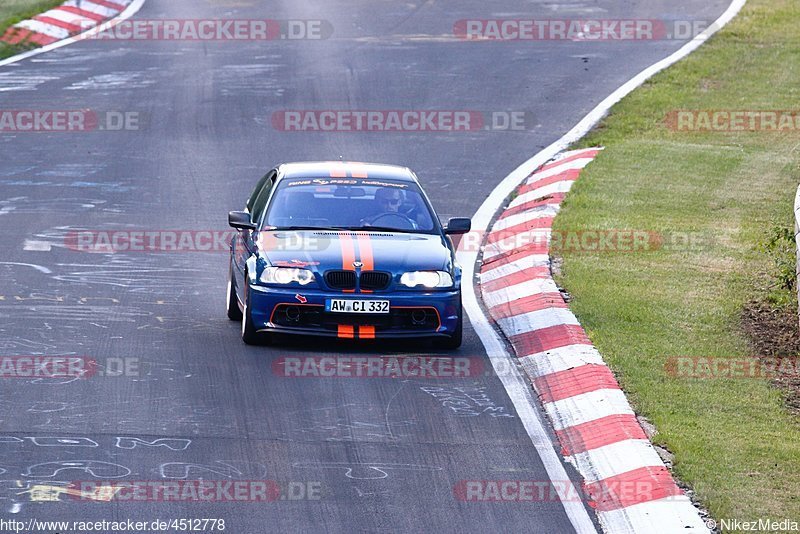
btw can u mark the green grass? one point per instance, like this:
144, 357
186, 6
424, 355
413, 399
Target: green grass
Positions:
734, 441
13, 11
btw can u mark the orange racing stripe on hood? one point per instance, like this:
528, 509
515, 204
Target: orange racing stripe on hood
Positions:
365, 252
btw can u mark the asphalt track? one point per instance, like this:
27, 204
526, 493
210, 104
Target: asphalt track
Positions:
385, 453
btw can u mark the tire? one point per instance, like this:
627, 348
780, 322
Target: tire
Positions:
232, 307
249, 333
454, 341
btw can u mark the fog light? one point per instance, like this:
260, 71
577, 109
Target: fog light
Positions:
293, 314
418, 317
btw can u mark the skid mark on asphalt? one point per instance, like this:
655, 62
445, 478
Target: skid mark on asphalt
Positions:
256, 79
467, 401
223, 468
84, 57
366, 470
24, 204
115, 80
348, 422
10, 81
72, 313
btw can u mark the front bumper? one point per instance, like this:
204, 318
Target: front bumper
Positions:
302, 311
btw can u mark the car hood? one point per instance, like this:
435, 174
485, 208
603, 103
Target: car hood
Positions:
383, 251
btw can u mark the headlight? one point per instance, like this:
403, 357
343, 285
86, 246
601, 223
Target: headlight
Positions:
286, 275
429, 279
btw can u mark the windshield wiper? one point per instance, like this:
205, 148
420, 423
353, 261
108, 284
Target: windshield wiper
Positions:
342, 228
380, 229
290, 228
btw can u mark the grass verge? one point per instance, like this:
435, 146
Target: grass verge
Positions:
735, 441
13, 11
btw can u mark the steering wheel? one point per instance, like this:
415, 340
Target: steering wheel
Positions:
393, 219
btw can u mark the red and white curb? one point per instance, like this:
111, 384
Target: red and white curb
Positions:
67, 20
623, 474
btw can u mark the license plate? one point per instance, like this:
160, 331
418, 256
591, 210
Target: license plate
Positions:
356, 306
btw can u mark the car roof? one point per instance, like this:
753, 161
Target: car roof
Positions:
345, 169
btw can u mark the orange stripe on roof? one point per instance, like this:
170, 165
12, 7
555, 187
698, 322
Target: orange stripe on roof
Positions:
345, 331
358, 170
338, 170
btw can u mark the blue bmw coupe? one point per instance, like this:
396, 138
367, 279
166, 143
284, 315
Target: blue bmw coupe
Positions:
344, 250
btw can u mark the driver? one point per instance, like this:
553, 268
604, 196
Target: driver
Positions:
388, 199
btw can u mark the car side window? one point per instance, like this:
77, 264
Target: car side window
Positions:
261, 200
270, 176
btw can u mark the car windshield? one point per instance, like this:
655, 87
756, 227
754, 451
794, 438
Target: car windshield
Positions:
349, 203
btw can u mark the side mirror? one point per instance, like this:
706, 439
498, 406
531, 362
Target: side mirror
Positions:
240, 220
458, 225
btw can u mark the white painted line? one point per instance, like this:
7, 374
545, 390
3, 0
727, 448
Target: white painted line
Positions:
615, 459
518, 291
495, 199
130, 11
587, 407
560, 359
536, 320
43, 28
